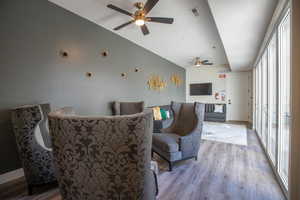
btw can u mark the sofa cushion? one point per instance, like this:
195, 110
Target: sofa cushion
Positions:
130, 108
167, 142
218, 109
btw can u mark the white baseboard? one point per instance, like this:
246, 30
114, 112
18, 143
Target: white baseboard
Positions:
12, 175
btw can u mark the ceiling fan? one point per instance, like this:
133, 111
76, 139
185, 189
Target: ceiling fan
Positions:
140, 16
199, 63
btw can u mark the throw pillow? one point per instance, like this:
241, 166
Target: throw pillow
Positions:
156, 113
163, 114
218, 109
168, 114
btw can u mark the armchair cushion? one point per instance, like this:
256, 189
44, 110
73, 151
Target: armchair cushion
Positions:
168, 142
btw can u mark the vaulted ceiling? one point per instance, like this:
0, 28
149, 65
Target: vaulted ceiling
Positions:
242, 25
190, 36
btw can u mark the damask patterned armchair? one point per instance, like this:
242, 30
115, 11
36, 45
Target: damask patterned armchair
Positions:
30, 126
103, 157
181, 140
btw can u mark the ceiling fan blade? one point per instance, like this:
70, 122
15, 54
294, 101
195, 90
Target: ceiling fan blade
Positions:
149, 5
161, 20
208, 63
145, 29
123, 25
119, 10
205, 61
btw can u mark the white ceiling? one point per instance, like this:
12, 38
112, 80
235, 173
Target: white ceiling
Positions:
187, 38
242, 25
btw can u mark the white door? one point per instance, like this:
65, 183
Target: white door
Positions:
238, 96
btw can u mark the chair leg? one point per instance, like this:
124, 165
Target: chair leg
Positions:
170, 166
30, 190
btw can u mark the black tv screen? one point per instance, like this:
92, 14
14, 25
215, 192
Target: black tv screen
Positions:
200, 89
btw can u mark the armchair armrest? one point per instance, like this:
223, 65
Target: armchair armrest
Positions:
151, 187
189, 144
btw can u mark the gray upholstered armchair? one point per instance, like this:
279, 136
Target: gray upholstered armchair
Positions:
127, 108
103, 157
182, 139
30, 126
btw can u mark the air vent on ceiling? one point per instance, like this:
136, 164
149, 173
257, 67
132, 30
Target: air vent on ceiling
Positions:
195, 12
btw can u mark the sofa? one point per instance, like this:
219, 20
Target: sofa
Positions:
160, 124
211, 115
127, 108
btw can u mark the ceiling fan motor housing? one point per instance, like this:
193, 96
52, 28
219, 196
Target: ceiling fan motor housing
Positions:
139, 5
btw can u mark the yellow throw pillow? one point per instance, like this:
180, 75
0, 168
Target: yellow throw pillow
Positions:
156, 113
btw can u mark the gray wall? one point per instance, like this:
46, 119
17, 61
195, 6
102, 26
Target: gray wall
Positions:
32, 34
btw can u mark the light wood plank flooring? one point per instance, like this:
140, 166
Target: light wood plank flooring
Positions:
222, 172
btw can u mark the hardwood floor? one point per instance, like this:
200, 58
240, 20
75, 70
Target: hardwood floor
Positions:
222, 172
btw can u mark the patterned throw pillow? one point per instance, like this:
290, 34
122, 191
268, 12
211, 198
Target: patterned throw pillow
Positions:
218, 109
163, 114
156, 113
168, 114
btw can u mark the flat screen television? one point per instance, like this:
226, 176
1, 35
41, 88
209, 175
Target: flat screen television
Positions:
201, 89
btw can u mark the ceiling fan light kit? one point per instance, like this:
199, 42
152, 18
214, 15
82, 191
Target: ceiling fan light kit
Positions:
199, 63
140, 16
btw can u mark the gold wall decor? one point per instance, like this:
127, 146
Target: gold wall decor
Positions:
176, 80
156, 83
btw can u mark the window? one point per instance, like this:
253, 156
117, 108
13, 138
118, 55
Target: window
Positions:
284, 98
272, 98
264, 103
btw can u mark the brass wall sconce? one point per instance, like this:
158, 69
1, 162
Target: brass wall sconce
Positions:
137, 69
63, 53
89, 74
123, 75
104, 53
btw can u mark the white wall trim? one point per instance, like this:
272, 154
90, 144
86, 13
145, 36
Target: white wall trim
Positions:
12, 175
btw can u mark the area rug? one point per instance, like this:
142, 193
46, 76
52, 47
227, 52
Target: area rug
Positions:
226, 133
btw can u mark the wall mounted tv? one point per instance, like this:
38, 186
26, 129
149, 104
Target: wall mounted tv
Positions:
201, 89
